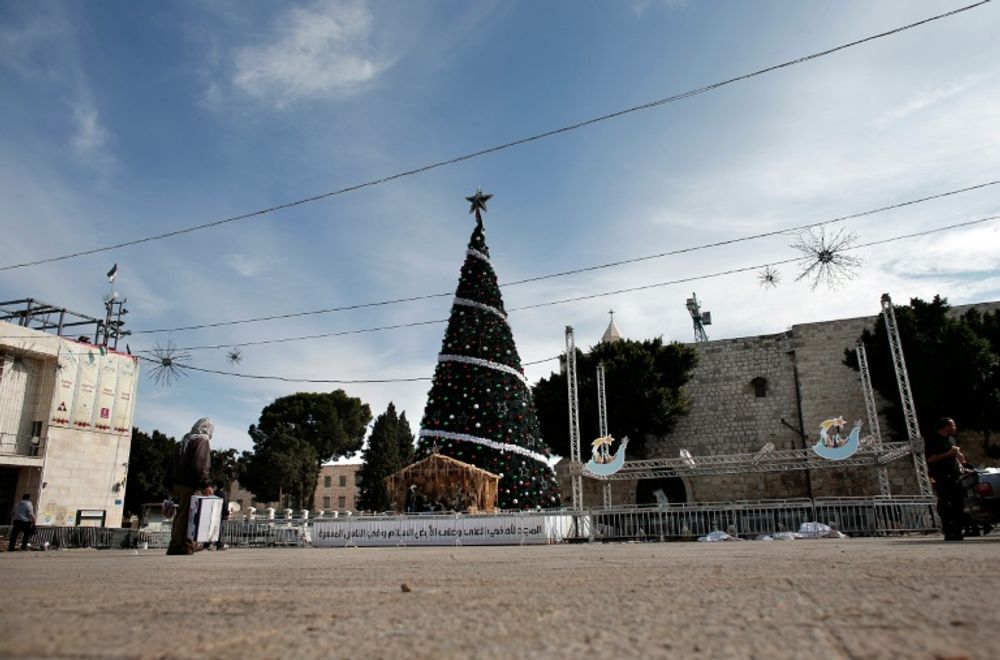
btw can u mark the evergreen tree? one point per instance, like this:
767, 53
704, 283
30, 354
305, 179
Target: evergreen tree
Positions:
147, 465
390, 448
953, 364
479, 409
645, 393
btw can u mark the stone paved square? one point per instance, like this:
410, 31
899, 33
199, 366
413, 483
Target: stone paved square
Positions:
908, 597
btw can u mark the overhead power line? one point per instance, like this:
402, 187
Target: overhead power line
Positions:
285, 379
603, 294
501, 147
612, 264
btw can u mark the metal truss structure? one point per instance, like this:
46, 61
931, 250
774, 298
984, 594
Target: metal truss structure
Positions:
575, 465
906, 397
781, 460
873, 452
38, 315
602, 422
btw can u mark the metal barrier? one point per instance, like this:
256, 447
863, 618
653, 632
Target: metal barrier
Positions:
854, 516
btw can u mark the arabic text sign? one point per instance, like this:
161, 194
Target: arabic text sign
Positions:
471, 530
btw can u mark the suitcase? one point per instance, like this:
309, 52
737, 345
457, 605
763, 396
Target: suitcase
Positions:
205, 519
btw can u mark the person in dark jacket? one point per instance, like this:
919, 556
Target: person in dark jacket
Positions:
945, 464
187, 475
23, 519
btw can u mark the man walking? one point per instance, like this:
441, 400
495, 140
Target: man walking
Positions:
187, 475
24, 523
945, 466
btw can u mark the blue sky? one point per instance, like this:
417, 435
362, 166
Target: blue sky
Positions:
120, 120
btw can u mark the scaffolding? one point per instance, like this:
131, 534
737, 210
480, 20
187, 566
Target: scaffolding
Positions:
873, 453
37, 315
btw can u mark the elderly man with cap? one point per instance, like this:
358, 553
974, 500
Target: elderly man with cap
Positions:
187, 475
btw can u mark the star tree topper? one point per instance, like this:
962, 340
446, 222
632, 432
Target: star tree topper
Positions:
478, 202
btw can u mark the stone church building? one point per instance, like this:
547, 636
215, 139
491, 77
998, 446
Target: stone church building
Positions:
774, 388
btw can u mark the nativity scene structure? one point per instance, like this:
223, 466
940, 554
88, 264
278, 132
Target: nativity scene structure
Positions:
479, 410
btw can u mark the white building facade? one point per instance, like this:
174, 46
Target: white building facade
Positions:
66, 411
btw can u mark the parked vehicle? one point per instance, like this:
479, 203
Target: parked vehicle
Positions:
982, 496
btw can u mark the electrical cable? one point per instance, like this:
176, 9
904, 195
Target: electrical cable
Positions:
284, 379
692, 278
584, 269
508, 145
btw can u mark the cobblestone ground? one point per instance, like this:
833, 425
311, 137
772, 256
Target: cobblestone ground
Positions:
913, 597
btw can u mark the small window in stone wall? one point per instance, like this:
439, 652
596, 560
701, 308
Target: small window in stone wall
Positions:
759, 387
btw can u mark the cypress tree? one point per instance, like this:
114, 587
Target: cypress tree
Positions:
390, 448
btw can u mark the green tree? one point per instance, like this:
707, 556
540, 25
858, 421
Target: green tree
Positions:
226, 467
390, 448
147, 464
283, 469
644, 385
953, 363
294, 436
479, 409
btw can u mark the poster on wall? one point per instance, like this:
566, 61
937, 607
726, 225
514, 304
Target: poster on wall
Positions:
106, 391
128, 368
62, 398
86, 389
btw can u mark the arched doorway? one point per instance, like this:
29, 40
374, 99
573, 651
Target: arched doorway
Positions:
672, 487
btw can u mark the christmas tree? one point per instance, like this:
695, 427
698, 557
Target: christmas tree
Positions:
479, 409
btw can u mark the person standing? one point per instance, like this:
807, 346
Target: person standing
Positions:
187, 475
24, 523
945, 466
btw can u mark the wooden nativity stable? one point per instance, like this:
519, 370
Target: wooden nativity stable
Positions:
445, 482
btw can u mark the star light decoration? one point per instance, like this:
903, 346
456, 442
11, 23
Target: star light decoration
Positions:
825, 260
769, 277
478, 203
168, 363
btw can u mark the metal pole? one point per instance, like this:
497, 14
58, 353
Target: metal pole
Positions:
872, 410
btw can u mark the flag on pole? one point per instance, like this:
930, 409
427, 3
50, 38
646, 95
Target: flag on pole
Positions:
113, 273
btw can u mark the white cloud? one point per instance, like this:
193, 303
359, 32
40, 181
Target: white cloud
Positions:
90, 133
925, 99
249, 265
324, 52
639, 7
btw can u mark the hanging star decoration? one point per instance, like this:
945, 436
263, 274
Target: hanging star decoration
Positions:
478, 203
234, 356
825, 258
769, 277
168, 363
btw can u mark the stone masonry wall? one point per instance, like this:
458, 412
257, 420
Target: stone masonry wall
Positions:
727, 417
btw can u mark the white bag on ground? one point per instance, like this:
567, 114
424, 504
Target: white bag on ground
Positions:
205, 519
817, 530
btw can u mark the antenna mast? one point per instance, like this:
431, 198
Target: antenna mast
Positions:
698, 317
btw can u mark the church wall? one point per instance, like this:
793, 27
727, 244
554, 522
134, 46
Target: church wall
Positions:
726, 416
